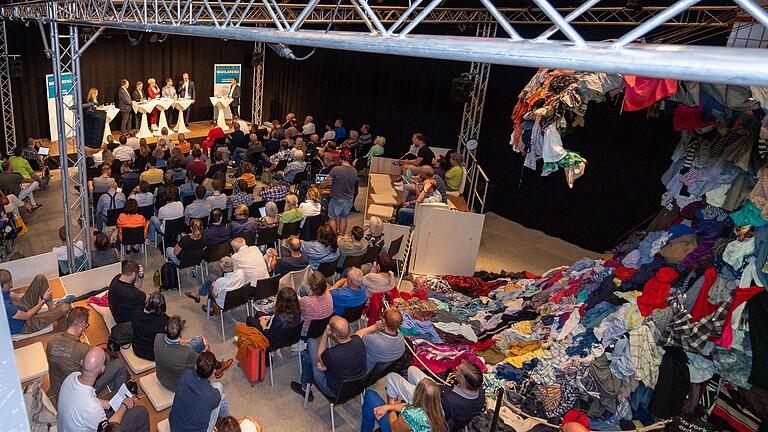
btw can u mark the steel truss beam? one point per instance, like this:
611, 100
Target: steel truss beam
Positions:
74, 183
257, 104
6, 94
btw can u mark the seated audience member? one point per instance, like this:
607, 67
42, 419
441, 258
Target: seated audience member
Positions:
188, 188
111, 200
125, 294
133, 141
162, 189
273, 144
14, 184
365, 139
216, 289
143, 153
352, 143
376, 151
174, 354
80, 410
214, 133
231, 424
26, 317
164, 140
277, 190
242, 225
318, 304
347, 292
130, 218
216, 233
61, 252
217, 200
460, 403
353, 244
294, 260
329, 134
189, 242
455, 174
271, 219
381, 277
22, 167
422, 414
324, 249
142, 195
311, 205
430, 194
197, 166
147, 323
340, 131
123, 152
329, 162
103, 253
375, 235
218, 166
425, 173
296, 166
285, 154
424, 155
285, 315
247, 175
383, 341
241, 197
198, 403
129, 178
329, 367
100, 184
172, 210
292, 211
183, 145
153, 175
199, 208
176, 170
65, 354
159, 155
250, 260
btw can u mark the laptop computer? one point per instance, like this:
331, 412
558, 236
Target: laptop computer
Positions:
43, 151
263, 211
319, 178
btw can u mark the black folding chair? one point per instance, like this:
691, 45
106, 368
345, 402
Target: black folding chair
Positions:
187, 200
173, 229
214, 253
394, 246
350, 388
147, 211
353, 313
370, 255
328, 269
316, 328
250, 238
133, 237
265, 288
351, 261
253, 209
233, 300
267, 237
284, 338
179, 182
379, 371
289, 229
112, 215
280, 206
311, 225
189, 259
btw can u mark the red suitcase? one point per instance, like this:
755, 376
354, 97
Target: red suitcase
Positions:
254, 365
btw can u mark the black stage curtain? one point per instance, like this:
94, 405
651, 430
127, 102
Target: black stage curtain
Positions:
398, 96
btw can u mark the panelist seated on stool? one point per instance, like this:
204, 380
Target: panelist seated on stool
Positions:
27, 317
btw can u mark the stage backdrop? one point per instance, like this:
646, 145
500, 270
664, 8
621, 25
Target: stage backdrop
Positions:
66, 84
222, 74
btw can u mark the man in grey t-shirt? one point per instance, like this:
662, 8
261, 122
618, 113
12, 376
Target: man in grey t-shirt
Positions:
383, 340
343, 181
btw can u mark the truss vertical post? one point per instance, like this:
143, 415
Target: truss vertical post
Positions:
74, 184
258, 82
6, 93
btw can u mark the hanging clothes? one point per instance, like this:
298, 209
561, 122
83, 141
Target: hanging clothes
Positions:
642, 92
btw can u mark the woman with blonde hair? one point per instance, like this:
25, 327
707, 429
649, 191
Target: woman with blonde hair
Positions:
143, 154
292, 211
93, 97
375, 234
194, 241
425, 414
153, 92
377, 150
311, 205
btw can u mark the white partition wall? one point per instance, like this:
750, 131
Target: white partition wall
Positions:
382, 165
90, 280
25, 269
445, 241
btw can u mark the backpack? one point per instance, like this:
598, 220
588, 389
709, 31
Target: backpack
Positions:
168, 277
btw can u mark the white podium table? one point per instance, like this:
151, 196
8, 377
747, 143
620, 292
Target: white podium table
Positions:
144, 108
182, 105
162, 105
220, 103
111, 112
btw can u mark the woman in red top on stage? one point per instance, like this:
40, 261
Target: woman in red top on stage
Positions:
153, 92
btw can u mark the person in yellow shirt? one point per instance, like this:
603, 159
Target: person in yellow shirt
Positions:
22, 167
454, 175
153, 175
248, 175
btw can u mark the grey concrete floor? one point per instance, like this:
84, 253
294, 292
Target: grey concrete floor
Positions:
505, 245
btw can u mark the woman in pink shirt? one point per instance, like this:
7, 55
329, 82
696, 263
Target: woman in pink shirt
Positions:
319, 304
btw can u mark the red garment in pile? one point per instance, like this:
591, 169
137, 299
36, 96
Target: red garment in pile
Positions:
740, 296
376, 304
689, 118
569, 290
576, 416
703, 307
472, 286
642, 92
656, 291
624, 273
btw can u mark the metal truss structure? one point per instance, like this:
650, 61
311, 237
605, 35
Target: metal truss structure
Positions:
391, 30
74, 183
6, 94
257, 104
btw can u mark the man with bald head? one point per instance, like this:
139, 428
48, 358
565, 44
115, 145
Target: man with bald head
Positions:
80, 410
328, 368
294, 260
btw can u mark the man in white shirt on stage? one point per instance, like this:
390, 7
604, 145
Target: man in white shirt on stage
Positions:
125, 105
186, 89
234, 93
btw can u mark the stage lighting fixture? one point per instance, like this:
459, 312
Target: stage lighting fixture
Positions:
132, 41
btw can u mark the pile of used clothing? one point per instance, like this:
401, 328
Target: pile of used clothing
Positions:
671, 323
721, 126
